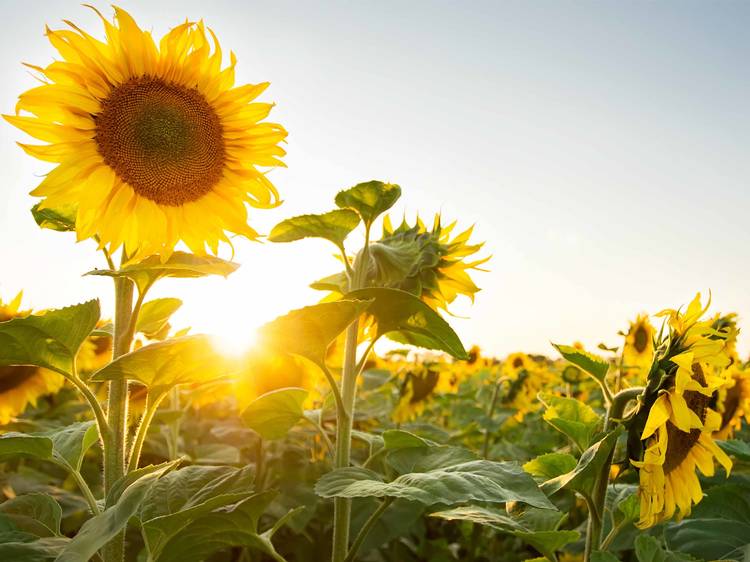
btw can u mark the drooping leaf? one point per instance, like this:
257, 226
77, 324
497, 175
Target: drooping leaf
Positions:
594, 365
186, 495
582, 478
35, 513
406, 319
550, 465
231, 526
470, 481
546, 541
155, 315
61, 219
572, 418
309, 331
48, 340
100, 529
179, 264
273, 414
69, 444
26, 547
334, 226
370, 199
162, 365
21, 444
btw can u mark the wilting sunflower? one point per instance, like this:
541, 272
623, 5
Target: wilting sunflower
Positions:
672, 433
21, 385
638, 351
732, 401
152, 143
421, 383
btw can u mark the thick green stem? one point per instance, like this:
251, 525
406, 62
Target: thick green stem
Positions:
366, 528
599, 495
117, 410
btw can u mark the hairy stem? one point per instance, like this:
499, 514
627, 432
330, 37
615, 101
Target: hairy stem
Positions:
366, 528
148, 415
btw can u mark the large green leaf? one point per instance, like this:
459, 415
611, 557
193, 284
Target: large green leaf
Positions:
582, 478
334, 226
738, 449
594, 365
719, 527
407, 319
21, 444
571, 417
231, 526
100, 529
370, 199
162, 365
122, 484
550, 465
26, 547
546, 541
309, 331
407, 452
48, 340
155, 315
479, 480
179, 264
38, 514
184, 496
61, 219
69, 444
273, 414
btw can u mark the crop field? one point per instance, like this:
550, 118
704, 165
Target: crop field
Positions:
359, 426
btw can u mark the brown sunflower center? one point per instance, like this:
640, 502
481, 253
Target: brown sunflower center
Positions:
731, 404
680, 443
641, 339
517, 363
423, 385
162, 139
15, 376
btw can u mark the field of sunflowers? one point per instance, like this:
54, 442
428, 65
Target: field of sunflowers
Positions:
358, 428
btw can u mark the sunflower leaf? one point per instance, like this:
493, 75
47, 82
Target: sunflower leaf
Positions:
61, 220
273, 414
69, 444
179, 264
155, 315
334, 226
406, 319
370, 199
35, 513
49, 340
738, 449
19, 546
550, 465
21, 444
163, 365
594, 365
309, 331
578, 421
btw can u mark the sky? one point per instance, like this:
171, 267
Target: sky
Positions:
599, 147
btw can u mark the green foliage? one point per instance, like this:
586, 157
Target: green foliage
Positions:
334, 226
571, 417
738, 449
49, 340
35, 513
594, 365
478, 480
550, 465
273, 414
369, 199
154, 316
69, 444
15, 444
61, 220
406, 319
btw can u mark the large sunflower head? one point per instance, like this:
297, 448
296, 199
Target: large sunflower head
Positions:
425, 262
671, 435
21, 385
638, 351
152, 142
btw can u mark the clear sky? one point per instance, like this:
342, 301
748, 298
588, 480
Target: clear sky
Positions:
601, 148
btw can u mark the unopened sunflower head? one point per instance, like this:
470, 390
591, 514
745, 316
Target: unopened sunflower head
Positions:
22, 385
671, 434
426, 262
152, 143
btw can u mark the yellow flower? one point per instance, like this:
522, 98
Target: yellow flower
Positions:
733, 402
421, 383
152, 143
95, 352
638, 351
21, 385
676, 418
525, 378
427, 263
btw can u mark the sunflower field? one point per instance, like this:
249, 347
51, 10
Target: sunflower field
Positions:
358, 428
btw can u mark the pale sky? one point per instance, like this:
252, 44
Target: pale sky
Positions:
600, 148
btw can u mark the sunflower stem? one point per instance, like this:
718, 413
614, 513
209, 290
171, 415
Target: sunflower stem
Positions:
596, 502
148, 415
117, 410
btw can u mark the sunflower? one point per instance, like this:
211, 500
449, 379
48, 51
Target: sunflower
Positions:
638, 351
421, 383
21, 385
732, 401
95, 352
152, 144
671, 434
